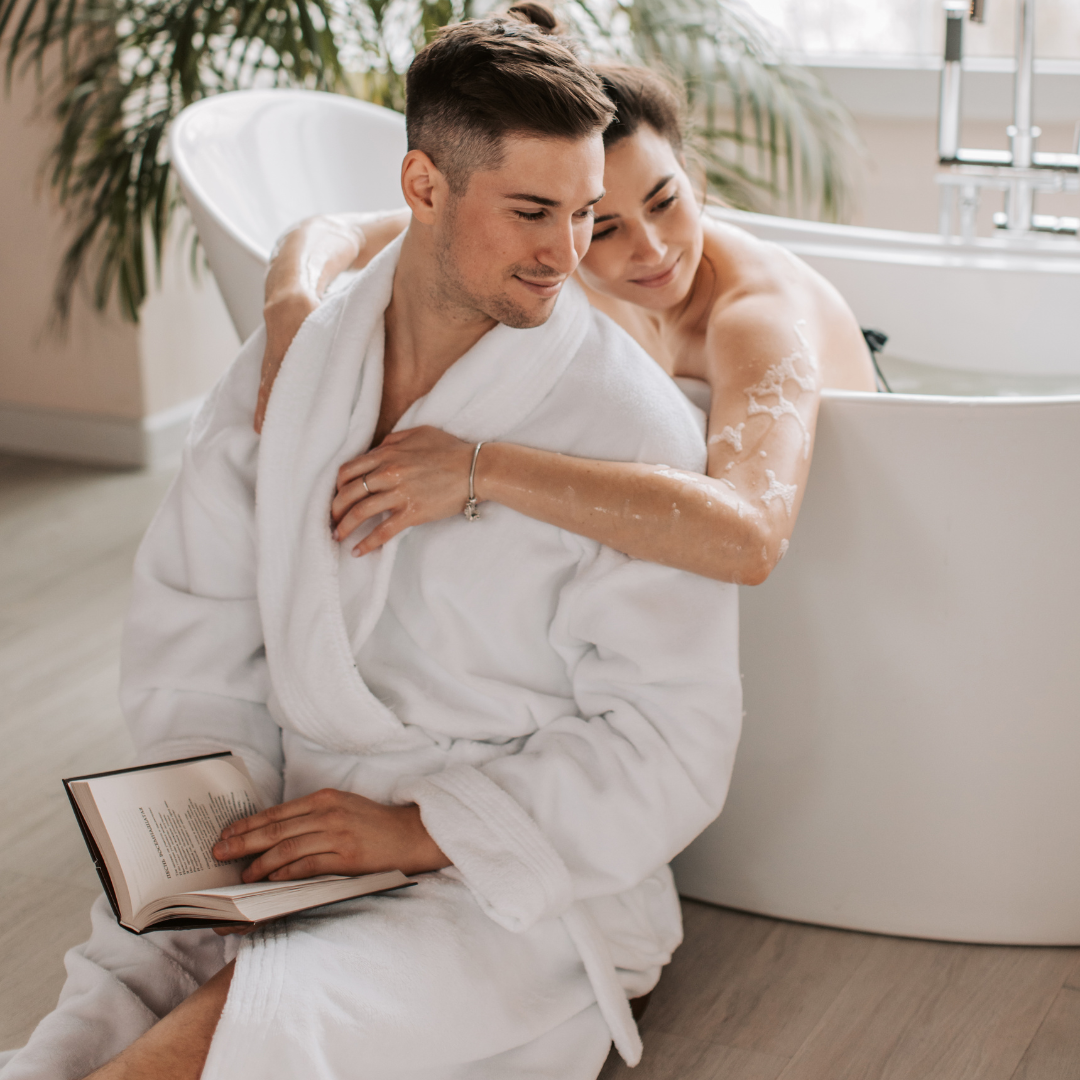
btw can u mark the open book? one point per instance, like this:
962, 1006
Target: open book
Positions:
150, 831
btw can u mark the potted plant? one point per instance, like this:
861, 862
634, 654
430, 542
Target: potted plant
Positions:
114, 73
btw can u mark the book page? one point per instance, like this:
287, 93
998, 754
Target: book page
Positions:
164, 822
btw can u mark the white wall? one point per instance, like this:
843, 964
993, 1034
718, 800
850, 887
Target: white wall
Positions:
112, 392
896, 114
105, 390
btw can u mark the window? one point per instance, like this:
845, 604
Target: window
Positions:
915, 28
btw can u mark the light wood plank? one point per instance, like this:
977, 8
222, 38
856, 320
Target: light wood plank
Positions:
918, 1010
68, 536
675, 1057
1054, 1053
751, 982
40, 923
746, 998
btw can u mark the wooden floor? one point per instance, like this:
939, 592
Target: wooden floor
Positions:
746, 998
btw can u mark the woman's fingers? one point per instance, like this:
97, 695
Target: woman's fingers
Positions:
417, 476
352, 495
357, 468
364, 510
400, 436
382, 532
371, 460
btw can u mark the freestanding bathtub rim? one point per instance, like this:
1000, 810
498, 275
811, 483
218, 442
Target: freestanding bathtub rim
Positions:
890, 400
247, 103
855, 236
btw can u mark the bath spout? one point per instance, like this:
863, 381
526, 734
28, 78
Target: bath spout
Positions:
1020, 198
951, 79
1021, 171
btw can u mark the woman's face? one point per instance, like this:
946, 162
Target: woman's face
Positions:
647, 235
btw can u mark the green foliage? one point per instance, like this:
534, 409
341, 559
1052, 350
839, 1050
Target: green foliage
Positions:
116, 72
768, 133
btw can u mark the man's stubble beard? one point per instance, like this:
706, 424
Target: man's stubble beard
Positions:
454, 296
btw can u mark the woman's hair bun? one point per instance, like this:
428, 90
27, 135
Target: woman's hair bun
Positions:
540, 15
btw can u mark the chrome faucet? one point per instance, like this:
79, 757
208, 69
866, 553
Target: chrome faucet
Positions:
1021, 171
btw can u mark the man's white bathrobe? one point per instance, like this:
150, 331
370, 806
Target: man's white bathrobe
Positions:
565, 717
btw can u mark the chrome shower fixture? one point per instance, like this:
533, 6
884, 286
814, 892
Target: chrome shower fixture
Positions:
1021, 171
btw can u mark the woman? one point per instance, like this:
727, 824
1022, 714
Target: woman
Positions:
744, 321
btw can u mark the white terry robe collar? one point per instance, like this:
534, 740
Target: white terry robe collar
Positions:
323, 412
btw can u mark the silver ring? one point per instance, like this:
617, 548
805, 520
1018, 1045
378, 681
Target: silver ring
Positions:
363, 480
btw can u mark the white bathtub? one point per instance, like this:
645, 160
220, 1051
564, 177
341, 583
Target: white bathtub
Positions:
910, 762
911, 755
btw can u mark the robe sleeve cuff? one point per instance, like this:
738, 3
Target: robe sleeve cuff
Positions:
512, 870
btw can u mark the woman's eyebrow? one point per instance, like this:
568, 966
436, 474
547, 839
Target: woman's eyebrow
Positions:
652, 191
657, 186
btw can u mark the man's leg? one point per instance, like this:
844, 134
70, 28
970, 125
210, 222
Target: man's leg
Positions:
175, 1048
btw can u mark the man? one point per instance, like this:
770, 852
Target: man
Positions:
531, 723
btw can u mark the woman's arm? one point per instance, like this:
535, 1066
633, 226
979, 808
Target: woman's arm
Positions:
302, 266
732, 525
421, 475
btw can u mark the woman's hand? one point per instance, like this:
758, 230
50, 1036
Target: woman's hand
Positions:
416, 476
331, 832
284, 315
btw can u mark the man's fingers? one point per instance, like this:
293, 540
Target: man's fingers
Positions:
296, 849
293, 808
240, 845
236, 928
309, 866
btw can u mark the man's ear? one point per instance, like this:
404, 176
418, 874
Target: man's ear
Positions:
424, 187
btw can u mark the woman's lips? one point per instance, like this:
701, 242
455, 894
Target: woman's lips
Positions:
656, 281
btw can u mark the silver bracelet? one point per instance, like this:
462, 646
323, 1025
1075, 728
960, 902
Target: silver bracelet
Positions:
471, 513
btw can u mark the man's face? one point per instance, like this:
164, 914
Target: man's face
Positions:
508, 243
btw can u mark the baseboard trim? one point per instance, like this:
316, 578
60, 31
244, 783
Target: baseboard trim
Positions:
151, 441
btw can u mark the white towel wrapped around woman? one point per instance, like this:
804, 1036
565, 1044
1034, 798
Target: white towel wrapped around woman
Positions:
565, 717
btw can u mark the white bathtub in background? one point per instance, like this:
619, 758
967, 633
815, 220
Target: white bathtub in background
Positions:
911, 755
910, 762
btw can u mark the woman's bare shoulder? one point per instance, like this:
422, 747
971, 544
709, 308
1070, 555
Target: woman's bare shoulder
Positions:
745, 263
764, 288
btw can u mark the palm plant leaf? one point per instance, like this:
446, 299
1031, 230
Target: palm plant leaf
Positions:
127, 67
768, 132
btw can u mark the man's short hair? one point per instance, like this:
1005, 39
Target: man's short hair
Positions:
482, 80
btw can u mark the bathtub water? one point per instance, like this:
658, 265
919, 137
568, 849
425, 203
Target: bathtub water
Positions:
911, 746
911, 377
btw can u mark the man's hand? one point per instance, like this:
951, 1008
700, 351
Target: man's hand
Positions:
331, 832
